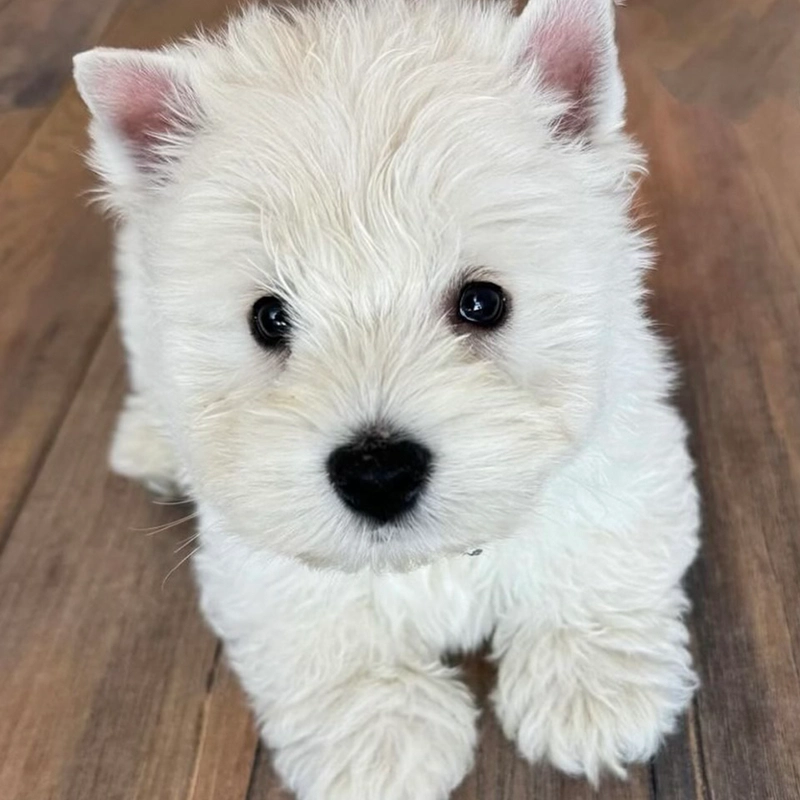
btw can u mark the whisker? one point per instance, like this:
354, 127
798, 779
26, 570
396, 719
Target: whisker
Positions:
166, 526
186, 543
177, 566
175, 502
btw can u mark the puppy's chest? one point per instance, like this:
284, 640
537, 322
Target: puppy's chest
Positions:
450, 604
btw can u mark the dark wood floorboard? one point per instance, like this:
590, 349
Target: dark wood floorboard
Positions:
720, 120
37, 41
112, 687
54, 259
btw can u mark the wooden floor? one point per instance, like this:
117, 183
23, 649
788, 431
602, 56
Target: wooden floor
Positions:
111, 687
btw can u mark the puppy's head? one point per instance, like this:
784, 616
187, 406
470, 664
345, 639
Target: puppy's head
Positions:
380, 249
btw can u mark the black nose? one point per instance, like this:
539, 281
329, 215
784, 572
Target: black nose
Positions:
379, 476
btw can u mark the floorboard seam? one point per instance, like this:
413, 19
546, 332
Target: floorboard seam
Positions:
204, 715
58, 422
248, 795
707, 792
653, 781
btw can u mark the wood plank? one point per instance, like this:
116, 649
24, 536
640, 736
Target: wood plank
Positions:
16, 127
37, 40
105, 661
678, 771
54, 263
228, 742
727, 294
111, 684
264, 783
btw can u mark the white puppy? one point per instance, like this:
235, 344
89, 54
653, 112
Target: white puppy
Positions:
383, 304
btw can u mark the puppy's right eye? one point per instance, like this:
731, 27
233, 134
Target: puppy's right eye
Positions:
269, 322
482, 304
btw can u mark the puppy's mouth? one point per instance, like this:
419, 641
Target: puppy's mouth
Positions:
380, 533
392, 548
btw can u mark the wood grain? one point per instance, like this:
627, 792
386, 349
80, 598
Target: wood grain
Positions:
718, 126
54, 262
105, 670
228, 742
112, 687
37, 41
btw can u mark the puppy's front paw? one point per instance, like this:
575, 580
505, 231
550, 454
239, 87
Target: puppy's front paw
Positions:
592, 703
141, 452
400, 736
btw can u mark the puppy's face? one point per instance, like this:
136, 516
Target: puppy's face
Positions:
381, 248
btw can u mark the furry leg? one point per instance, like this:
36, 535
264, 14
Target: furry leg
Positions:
352, 704
594, 693
141, 452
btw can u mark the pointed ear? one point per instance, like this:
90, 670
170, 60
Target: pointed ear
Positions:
141, 102
569, 47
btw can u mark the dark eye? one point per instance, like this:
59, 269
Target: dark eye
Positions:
270, 322
482, 304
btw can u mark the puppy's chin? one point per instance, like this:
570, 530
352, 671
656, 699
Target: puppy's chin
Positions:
378, 565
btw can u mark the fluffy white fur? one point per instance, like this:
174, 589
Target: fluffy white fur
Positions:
362, 161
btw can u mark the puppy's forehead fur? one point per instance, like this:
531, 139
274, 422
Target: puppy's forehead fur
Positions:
394, 141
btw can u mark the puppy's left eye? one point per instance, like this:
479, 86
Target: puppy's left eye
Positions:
269, 322
482, 303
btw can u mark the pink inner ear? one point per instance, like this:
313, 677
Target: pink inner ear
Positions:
141, 105
136, 99
566, 52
